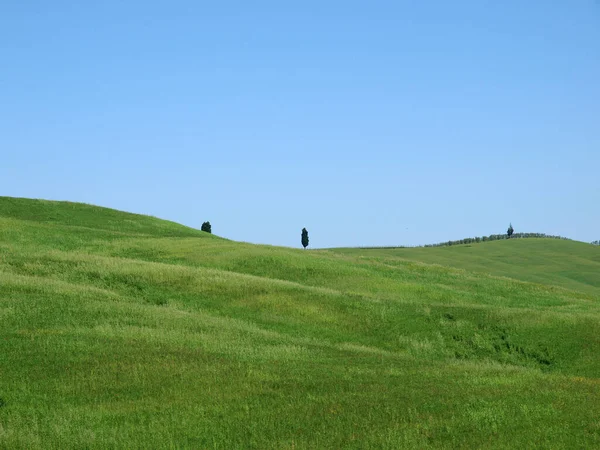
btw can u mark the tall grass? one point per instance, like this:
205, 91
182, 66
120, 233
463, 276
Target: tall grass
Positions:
125, 335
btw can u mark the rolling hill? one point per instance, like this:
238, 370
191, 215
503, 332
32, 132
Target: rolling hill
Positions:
127, 331
569, 264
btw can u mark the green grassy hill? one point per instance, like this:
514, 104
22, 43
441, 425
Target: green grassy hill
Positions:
126, 331
558, 262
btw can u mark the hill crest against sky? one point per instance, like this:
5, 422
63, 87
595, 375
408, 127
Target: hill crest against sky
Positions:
566, 263
85, 214
394, 122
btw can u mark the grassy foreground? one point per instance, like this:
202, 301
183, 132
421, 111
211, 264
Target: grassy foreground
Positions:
126, 331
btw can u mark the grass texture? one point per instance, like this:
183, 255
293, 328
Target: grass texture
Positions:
126, 331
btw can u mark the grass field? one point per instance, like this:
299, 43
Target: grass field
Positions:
570, 264
126, 331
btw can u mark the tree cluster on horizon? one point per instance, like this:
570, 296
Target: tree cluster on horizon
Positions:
495, 237
477, 240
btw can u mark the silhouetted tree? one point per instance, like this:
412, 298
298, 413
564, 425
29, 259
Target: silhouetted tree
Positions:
510, 231
206, 227
304, 238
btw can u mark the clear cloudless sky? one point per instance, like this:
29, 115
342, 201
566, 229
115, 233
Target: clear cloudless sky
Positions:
367, 122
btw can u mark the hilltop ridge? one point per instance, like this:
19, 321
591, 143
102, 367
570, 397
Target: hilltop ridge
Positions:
90, 216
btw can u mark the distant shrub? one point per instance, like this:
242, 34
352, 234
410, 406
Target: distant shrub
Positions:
596, 243
206, 227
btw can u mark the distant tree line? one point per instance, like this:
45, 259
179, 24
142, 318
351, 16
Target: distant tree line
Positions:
596, 243
495, 237
477, 240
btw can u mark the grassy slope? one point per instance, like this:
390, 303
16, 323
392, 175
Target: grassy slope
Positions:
570, 264
127, 331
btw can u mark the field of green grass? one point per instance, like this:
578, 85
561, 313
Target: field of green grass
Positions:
125, 331
570, 264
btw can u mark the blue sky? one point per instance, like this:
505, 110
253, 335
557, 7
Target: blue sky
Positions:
368, 123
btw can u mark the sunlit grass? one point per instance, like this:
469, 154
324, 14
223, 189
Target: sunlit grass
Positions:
152, 335
569, 264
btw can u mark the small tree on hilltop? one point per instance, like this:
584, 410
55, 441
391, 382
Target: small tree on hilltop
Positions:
206, 227
510, 231
304, 238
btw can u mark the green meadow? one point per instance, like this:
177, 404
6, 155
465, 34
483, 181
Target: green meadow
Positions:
569, 264
126, 331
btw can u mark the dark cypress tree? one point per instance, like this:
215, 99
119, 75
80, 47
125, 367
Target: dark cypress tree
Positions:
510, 231
206, 227
304, 238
